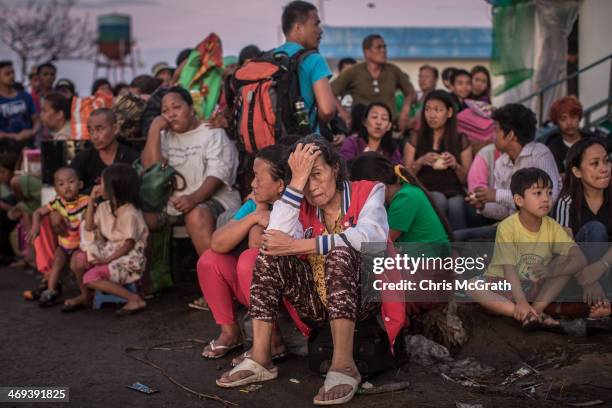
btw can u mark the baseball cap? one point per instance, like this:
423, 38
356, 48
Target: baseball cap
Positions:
160, 66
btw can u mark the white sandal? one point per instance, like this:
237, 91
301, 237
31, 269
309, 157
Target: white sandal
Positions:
246, 354
333, 379
260, 374
214, 347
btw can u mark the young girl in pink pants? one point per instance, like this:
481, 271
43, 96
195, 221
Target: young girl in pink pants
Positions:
115, 255
224, 276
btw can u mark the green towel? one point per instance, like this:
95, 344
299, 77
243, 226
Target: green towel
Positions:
211, 82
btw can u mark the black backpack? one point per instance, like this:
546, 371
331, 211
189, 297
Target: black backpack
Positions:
371, 348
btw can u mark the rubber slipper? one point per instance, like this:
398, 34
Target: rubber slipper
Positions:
260, 374
531, 324
48, 298
19, 264
72, 307
126, 312
275, 358
199, 304
214, 347
333, 379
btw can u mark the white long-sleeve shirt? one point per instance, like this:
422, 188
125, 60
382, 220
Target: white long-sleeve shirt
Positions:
372, 225
533, 154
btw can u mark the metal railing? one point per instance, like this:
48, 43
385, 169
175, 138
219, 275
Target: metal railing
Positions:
540, 92
595, 107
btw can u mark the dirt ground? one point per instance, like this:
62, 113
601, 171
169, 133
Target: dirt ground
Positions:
86, 351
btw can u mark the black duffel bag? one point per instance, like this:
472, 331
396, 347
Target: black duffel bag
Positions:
371, 349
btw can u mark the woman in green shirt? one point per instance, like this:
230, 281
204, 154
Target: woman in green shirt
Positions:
414, 222
412, 214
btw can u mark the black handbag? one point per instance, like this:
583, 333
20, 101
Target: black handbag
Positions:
371, 349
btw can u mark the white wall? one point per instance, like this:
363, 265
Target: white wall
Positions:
595, 42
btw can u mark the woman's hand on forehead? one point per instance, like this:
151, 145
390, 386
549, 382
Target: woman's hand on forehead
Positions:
301, 162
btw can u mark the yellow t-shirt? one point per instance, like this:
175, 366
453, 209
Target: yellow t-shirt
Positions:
516, 245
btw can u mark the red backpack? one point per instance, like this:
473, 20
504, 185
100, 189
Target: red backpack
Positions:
268, 102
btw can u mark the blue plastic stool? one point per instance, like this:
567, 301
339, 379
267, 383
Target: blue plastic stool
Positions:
101, 297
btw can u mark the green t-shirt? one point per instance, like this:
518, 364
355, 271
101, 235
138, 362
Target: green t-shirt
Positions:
411, 213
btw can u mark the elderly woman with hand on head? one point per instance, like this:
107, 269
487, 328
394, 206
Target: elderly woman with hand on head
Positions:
310, 256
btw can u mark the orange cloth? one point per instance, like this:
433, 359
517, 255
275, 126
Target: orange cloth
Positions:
45, 245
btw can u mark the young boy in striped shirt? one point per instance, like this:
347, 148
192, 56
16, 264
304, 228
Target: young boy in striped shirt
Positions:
71, 206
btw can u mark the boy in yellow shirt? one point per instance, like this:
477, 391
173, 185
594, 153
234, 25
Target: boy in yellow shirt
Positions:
533, 253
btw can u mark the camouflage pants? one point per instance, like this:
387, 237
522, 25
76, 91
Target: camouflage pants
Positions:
278, 277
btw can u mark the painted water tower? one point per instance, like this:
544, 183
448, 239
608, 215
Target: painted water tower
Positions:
116, 46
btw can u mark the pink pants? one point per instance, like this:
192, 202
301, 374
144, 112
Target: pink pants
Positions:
222, 278
94, 273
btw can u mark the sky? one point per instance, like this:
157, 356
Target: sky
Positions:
162, 28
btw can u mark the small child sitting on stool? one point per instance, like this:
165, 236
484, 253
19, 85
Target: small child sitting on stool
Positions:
71, 206
116, 256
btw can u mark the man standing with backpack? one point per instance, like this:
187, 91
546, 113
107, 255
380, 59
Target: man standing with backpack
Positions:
301, 26
285, 91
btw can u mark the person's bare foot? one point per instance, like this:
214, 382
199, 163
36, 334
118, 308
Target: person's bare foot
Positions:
134, 304
18, 264
338, 391
599, 310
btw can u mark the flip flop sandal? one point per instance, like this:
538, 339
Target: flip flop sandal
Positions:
126, 312
72, 307
199, 304
214, 347
48, 298
531, 324
260, 374
553, 328
333, 379
19, 263
275, 358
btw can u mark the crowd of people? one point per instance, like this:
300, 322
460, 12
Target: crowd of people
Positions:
283, 226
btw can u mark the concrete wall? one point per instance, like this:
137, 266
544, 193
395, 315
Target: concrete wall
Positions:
595, 42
